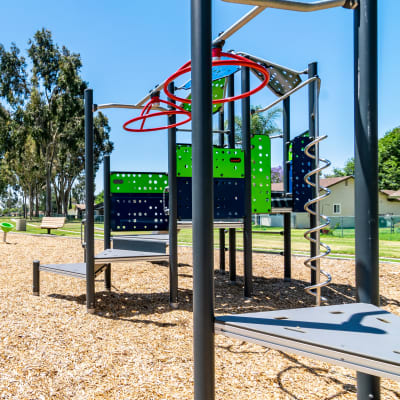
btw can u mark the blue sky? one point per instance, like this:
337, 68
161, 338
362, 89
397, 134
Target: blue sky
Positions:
127, 47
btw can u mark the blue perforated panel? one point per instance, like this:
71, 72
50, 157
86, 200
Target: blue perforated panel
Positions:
228, 198
138, 212
301, 165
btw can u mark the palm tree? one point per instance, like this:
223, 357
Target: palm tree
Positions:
260, 123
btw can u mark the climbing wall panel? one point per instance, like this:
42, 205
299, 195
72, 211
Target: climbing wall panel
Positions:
228, 198
227, 163
138, 212
301, 165
138, 182
260, 174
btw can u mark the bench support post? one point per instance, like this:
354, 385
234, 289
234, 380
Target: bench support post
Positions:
36, 278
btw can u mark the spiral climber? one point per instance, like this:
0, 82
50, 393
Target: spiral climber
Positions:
313, 234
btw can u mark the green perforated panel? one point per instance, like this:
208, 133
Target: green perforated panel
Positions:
261, 174
218, 92
227, 163
138, 182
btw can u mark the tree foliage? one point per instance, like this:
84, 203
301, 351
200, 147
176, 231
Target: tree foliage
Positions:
41, 120
260, 123
347, 170
389, 160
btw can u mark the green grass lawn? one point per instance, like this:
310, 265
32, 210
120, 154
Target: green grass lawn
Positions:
341, 242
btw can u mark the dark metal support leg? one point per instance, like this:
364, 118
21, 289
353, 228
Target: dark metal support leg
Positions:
36, 278
107, 225
173, 209
232, 255
231, 145
366, 169
221, 126
286, 217
203, 208
247, 226
312, 103
222, 251
287, 251
89, 182
107, 278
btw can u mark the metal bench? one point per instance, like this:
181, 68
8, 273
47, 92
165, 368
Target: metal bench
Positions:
50, 223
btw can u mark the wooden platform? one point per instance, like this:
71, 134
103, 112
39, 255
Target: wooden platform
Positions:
359, 336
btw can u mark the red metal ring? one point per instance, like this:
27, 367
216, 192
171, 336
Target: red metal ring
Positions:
236, 60
145, 114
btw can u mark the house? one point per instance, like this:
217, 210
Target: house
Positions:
79, 211
340, 204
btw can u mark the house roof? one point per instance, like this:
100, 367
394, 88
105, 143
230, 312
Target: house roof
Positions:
326, 182
395, 194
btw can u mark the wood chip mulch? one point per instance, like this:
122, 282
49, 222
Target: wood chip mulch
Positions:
136, 347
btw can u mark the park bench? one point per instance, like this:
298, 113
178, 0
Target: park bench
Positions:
50, 223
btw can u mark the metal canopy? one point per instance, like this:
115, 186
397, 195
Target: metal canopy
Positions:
282, 79
359, 336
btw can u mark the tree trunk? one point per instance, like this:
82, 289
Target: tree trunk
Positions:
31, 199
48, 191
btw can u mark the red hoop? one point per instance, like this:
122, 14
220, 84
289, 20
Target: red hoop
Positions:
236, 60
146, 114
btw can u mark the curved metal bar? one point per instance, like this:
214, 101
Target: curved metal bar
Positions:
288, 94
239, 24
298, 5
129, 106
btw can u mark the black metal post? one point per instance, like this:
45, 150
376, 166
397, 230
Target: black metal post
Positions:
173, 209
312, 104
202, 191
231, 145
36, 278
107, 226
286, 216
221, 143
246, 145
89, 201
366, 169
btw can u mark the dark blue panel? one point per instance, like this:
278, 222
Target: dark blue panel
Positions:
301, 165
138, 212
228, 198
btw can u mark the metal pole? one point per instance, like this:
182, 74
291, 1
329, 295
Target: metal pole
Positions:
366, 169
107, 228
286, 216
221, 143
246, 145
312, 104
239, 24
36, 278
231, 145
202, 192
173, 209
298, 5
89, 201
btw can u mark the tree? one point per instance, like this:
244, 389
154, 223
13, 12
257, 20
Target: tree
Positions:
347, 170
47, 123
389, 160
260, 123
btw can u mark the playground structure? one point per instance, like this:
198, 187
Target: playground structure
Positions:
312, 332
6, 227
161, 202
345, 334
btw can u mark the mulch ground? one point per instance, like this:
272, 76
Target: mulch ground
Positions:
136, 347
